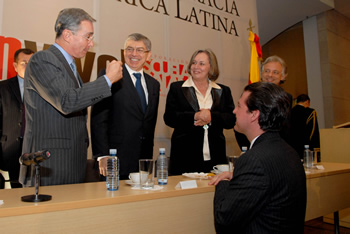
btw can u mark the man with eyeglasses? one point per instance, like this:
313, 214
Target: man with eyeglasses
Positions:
12, 116
126, 121
56, 100
274, 70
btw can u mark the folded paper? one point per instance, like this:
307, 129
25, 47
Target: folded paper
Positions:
187, 184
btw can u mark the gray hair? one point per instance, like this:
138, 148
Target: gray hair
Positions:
275, 58
139, 37
70, 18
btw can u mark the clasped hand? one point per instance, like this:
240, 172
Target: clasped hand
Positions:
202, 117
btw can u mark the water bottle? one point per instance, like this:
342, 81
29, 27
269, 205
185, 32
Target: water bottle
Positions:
162, 168
244, 149
112, 179
307, 157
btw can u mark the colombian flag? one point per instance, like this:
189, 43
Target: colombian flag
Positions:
256, 55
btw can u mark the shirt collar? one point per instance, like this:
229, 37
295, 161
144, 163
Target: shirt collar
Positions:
20, 80
253, 141
131, 72
189, 83
67, 56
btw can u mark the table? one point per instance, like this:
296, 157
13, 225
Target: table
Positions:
90, 208
328, 190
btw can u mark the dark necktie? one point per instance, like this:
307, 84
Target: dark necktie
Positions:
140, 91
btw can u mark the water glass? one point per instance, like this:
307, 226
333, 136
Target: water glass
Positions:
147, 167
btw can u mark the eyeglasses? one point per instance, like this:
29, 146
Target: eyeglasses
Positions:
23, 63
275, 72
89, 37
139, 51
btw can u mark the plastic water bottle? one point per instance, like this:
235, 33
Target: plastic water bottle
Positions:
112, 179
307, 157
244, 149
162, 168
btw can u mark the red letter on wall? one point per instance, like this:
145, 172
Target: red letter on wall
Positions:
13, 45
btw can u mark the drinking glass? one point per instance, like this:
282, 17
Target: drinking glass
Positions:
147, 167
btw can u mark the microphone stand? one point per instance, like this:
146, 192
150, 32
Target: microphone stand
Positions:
36, 197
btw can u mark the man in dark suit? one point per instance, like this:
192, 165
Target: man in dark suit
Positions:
304, 126
126, 121
56, 101
266, 193
11, 117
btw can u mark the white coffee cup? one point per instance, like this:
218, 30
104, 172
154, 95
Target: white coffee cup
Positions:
135, 177
221, 167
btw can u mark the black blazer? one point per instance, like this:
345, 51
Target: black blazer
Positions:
118, 122
11, 109
187, 140
304, 129
267, 193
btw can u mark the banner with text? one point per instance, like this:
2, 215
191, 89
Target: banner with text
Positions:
176, 28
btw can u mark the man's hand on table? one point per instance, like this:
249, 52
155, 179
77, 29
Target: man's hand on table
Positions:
222, 176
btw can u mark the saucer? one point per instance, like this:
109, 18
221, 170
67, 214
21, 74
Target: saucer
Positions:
129, 182
216, 172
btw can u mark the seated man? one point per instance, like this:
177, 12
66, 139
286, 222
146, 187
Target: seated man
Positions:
266, 193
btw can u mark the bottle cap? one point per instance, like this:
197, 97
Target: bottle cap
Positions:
306, 146
244, 148
162, 150
113, 152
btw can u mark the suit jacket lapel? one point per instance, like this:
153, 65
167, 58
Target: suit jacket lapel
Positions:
79, 79
14, 86
149, 91
190, 95
60, 57
216, 94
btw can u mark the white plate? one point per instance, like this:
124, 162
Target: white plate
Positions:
216, 172
196, 175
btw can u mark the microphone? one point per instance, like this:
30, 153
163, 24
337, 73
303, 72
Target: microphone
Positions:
34, 158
